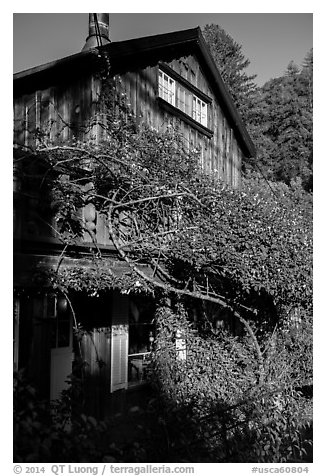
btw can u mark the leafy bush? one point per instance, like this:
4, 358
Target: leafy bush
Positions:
184, 234
62, 433
225, 411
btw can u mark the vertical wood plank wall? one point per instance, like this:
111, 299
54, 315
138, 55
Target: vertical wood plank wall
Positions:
221, 154
71, 110
61, 111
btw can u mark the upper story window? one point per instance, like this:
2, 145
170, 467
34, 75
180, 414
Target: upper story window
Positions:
181, 97
166, 87
199, 110
184, 100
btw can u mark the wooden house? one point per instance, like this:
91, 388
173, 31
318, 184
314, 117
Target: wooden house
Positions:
166, 78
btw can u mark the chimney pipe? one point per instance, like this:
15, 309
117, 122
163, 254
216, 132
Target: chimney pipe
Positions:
103, 23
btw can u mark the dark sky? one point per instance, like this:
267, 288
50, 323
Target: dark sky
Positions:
270, 40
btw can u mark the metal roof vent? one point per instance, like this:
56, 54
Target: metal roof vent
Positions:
98, 30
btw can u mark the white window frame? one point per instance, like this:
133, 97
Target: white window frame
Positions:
181, 97
199, 110
166, 87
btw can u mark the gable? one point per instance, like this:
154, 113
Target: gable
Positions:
126, 56
211, 133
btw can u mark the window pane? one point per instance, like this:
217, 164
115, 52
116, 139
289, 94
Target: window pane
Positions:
188, 103
179, 96
204, 114
139, 335
160, 84
194, 109
199, 110
166, 88
181, 104
141, 339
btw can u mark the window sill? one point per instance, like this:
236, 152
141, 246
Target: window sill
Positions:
184, 117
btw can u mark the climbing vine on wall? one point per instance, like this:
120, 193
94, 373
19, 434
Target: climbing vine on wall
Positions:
184, 235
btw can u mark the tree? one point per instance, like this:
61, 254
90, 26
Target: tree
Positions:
286, 120
307, 77
218, 253
278, 115
199, 238
232, 65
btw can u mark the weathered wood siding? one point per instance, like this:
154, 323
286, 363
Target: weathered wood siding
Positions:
53, 116
72, 110
221, 154
57, 113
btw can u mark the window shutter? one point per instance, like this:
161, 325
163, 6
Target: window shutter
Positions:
119, 342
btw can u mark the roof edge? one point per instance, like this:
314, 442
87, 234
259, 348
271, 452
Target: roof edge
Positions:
182, 36
226, 96
122, 48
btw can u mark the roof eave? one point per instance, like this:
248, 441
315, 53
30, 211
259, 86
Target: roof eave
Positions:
90, 60
226, 97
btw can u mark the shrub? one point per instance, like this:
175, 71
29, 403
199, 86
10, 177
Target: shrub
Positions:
218, 403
